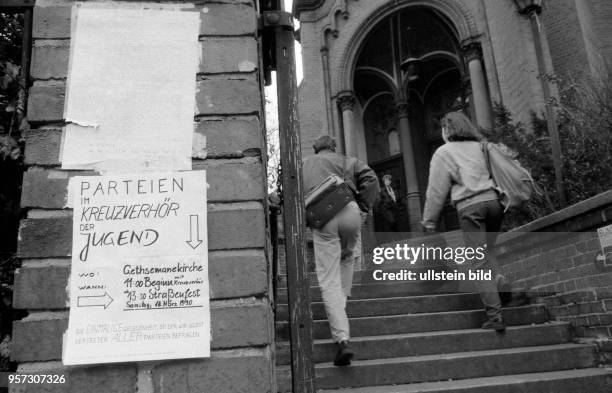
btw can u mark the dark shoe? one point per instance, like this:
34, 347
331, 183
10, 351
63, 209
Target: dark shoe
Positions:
344, 354
496, 324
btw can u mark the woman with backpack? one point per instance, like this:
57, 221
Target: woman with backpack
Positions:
459, 167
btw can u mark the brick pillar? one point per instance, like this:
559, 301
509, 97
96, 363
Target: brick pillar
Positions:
228, 143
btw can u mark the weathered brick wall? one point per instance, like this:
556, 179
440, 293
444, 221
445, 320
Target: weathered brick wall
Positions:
602, 15
228, 143
516, 61
566, 38
589, 312
553, 259
580, 36
592, 42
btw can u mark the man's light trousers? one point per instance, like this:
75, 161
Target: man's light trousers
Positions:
337, 246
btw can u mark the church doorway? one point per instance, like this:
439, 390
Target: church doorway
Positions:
409, 72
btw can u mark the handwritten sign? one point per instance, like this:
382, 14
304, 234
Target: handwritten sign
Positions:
139, 279
603, 260
130, 94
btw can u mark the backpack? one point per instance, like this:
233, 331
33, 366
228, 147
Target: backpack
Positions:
513, 182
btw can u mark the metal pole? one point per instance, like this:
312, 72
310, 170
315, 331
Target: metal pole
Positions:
553, 131
298, 284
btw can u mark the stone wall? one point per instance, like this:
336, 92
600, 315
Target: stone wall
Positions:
554, 260
228, 143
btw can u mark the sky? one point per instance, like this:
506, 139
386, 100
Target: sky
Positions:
271, 90
272, 111
298, 47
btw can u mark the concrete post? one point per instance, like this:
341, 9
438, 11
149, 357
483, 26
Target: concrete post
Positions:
480, 92
413, 196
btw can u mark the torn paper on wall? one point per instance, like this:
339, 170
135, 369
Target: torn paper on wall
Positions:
131, 88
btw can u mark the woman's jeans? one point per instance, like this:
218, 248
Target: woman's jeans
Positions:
337, 245
480, 223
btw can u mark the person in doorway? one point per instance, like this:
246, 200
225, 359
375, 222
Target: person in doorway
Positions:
388, 205
337, 245
459, 167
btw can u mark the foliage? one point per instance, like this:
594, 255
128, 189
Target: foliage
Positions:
534, 153
272, 141
12, 88
273, 148
11, 33
12, 100
7, 267
12, 123
584, 116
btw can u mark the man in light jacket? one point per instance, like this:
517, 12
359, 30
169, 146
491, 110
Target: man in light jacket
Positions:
337, 245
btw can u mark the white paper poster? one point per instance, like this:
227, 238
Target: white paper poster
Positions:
131, 88
139, 281
605, 241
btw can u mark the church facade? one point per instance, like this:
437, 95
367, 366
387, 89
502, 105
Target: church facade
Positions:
380, 74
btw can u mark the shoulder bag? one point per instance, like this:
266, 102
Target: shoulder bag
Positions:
513, 182
327, 199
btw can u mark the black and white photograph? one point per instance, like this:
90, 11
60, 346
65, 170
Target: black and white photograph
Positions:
305, 196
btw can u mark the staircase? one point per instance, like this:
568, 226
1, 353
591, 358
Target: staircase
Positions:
411, 338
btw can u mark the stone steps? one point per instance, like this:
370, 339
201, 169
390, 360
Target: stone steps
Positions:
462, 365
395, 305
430, 343
423, 322
426, 337
382, 290
591, 380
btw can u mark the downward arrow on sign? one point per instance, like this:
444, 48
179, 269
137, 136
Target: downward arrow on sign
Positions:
194, 231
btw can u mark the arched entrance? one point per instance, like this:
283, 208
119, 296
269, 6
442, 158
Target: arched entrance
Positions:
409, 72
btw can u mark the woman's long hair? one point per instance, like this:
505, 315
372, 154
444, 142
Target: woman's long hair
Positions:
458, 127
